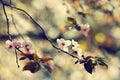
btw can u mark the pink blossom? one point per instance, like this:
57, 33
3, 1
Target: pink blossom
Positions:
16, 44
27, 45
9, 45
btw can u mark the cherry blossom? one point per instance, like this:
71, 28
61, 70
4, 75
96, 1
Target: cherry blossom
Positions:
71, 47
16, 44
63, 44
9, 45
27, 45
74, 43
76, 51
85, 28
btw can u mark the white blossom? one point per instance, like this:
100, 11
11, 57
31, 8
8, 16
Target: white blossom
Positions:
74, 43
63, 44
71, 47
76, 51
85, 28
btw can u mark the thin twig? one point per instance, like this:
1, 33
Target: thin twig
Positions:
39, 26
7, 20
17, 58
12, 17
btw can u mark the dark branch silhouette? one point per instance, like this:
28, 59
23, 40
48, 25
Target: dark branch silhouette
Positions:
7, 20
38, 25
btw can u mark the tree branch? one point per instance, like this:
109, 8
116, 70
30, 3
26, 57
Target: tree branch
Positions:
40, 27
7, 20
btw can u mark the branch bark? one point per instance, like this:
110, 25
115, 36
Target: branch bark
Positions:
38, 25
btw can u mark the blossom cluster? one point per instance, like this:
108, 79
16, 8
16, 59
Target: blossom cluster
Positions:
33, 64
70, 46
11, 45
72, 24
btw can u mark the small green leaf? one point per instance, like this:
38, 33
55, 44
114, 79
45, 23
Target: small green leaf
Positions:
103, 64
101, 61
72, 20
81, 13
36, 58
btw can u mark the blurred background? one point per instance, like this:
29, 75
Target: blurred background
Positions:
103, 40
